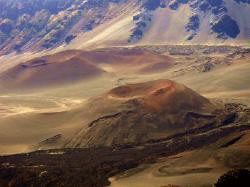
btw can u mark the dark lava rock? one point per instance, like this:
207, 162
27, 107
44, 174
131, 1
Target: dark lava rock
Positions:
141, 24
243, 1
215, 2
136, 17
230, 118
193, 24
175, 4
226, 27
204, 6
69, 38
219, 10
207, 67
136, 35
217, 6
6, 26
236, 177
183, 1
152, 4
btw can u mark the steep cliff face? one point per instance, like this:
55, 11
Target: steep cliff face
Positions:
36, 25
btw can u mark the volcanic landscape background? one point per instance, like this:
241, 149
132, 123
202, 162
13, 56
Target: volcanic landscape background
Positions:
123, 93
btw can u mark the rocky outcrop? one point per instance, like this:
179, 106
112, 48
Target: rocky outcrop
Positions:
226, 27
221, 23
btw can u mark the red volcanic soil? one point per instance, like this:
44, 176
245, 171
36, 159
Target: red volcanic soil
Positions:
162, 95
140, 89
127, 56
157, 67
43, 72
57, 57
76, 65
144, 111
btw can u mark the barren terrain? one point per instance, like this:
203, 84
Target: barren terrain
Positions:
47, 109
34, 112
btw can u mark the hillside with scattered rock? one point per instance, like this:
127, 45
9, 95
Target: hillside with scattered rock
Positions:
38, 25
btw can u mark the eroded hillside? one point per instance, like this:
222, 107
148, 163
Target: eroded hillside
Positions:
37, 25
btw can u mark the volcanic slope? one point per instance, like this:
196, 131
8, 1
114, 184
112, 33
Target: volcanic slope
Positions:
76, 65
41, 72
145, 111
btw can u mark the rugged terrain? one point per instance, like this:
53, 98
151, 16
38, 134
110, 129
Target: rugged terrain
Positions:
141, 93
35, 25
191, 127
44, 101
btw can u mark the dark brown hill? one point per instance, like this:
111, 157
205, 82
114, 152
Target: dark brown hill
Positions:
150, 110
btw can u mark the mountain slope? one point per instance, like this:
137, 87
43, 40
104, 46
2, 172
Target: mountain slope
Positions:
36, 25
